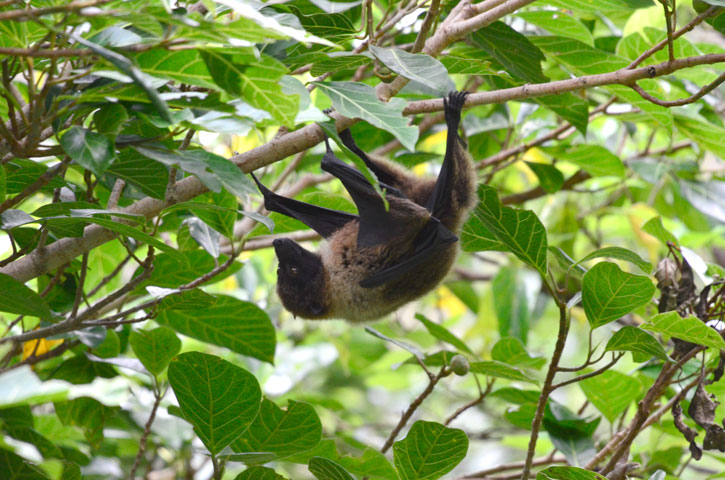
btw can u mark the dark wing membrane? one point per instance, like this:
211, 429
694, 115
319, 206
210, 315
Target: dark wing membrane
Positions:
385, 178
324, 221
432, 237
377, 225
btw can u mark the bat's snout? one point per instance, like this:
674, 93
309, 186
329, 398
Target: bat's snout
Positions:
288, 250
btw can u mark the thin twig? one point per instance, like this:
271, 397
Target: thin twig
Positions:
546, 389
146, 432
444, 371
683, 101
599, 371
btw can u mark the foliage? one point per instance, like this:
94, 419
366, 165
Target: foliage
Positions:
140, 330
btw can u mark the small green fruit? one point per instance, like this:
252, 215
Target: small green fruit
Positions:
460, 365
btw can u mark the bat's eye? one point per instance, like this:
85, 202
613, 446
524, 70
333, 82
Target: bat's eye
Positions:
293, 271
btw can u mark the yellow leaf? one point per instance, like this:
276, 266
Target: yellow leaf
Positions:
38, 347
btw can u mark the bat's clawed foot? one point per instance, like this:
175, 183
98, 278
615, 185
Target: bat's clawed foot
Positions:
452, 106
328, 111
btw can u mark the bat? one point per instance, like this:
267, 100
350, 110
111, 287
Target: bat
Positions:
376, 261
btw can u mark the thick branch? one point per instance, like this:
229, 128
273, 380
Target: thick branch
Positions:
64, 250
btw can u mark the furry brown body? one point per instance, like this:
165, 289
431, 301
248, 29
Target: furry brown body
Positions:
382, 259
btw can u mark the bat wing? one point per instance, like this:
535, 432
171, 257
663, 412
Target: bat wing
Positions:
377, 225
432, 237
324, 221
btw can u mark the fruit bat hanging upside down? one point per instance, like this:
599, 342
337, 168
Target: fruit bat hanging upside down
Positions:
374, 262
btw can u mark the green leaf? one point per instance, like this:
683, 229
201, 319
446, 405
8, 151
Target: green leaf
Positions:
282, 432
608, 293
87, 413
19, 299
13, 467
466, 66
90, 150
419, 67
654, 227
611, 392
493, 368
257, 81
155, 348
371, 464
558, 23
620, 254
109, 119
690, 328
211, 169
339, 63
218, 398
193, 299
324, 469
441, 333
511, 350
519, 230
514, 51
595, 159
476, 237
124, 65
259, 473
184, 66
357, 100
635, 340
170, 273
511, 303
240, 326
429, 451
550, 178
151, 178
568, 473
136, 234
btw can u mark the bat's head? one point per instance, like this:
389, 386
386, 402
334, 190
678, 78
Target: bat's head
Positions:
301, 283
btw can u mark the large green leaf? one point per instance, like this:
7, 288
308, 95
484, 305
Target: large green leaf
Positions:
185, 66
429, 451
237, 325
259, 473
558, 23
257, 81
443, 334
357, 100
595, 159
608, 293
218, 398
611, 392
511, 49
519, 230
621, 254
282, 432
511, 350
568, 473
325, 469
494, 368
635, 340
19, 299
690, 329
13, 467
419, 67
88, 149
151, 178
155, 348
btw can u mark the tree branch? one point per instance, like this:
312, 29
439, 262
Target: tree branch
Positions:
66, 249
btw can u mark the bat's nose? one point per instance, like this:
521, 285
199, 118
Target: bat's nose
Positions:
285, 248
